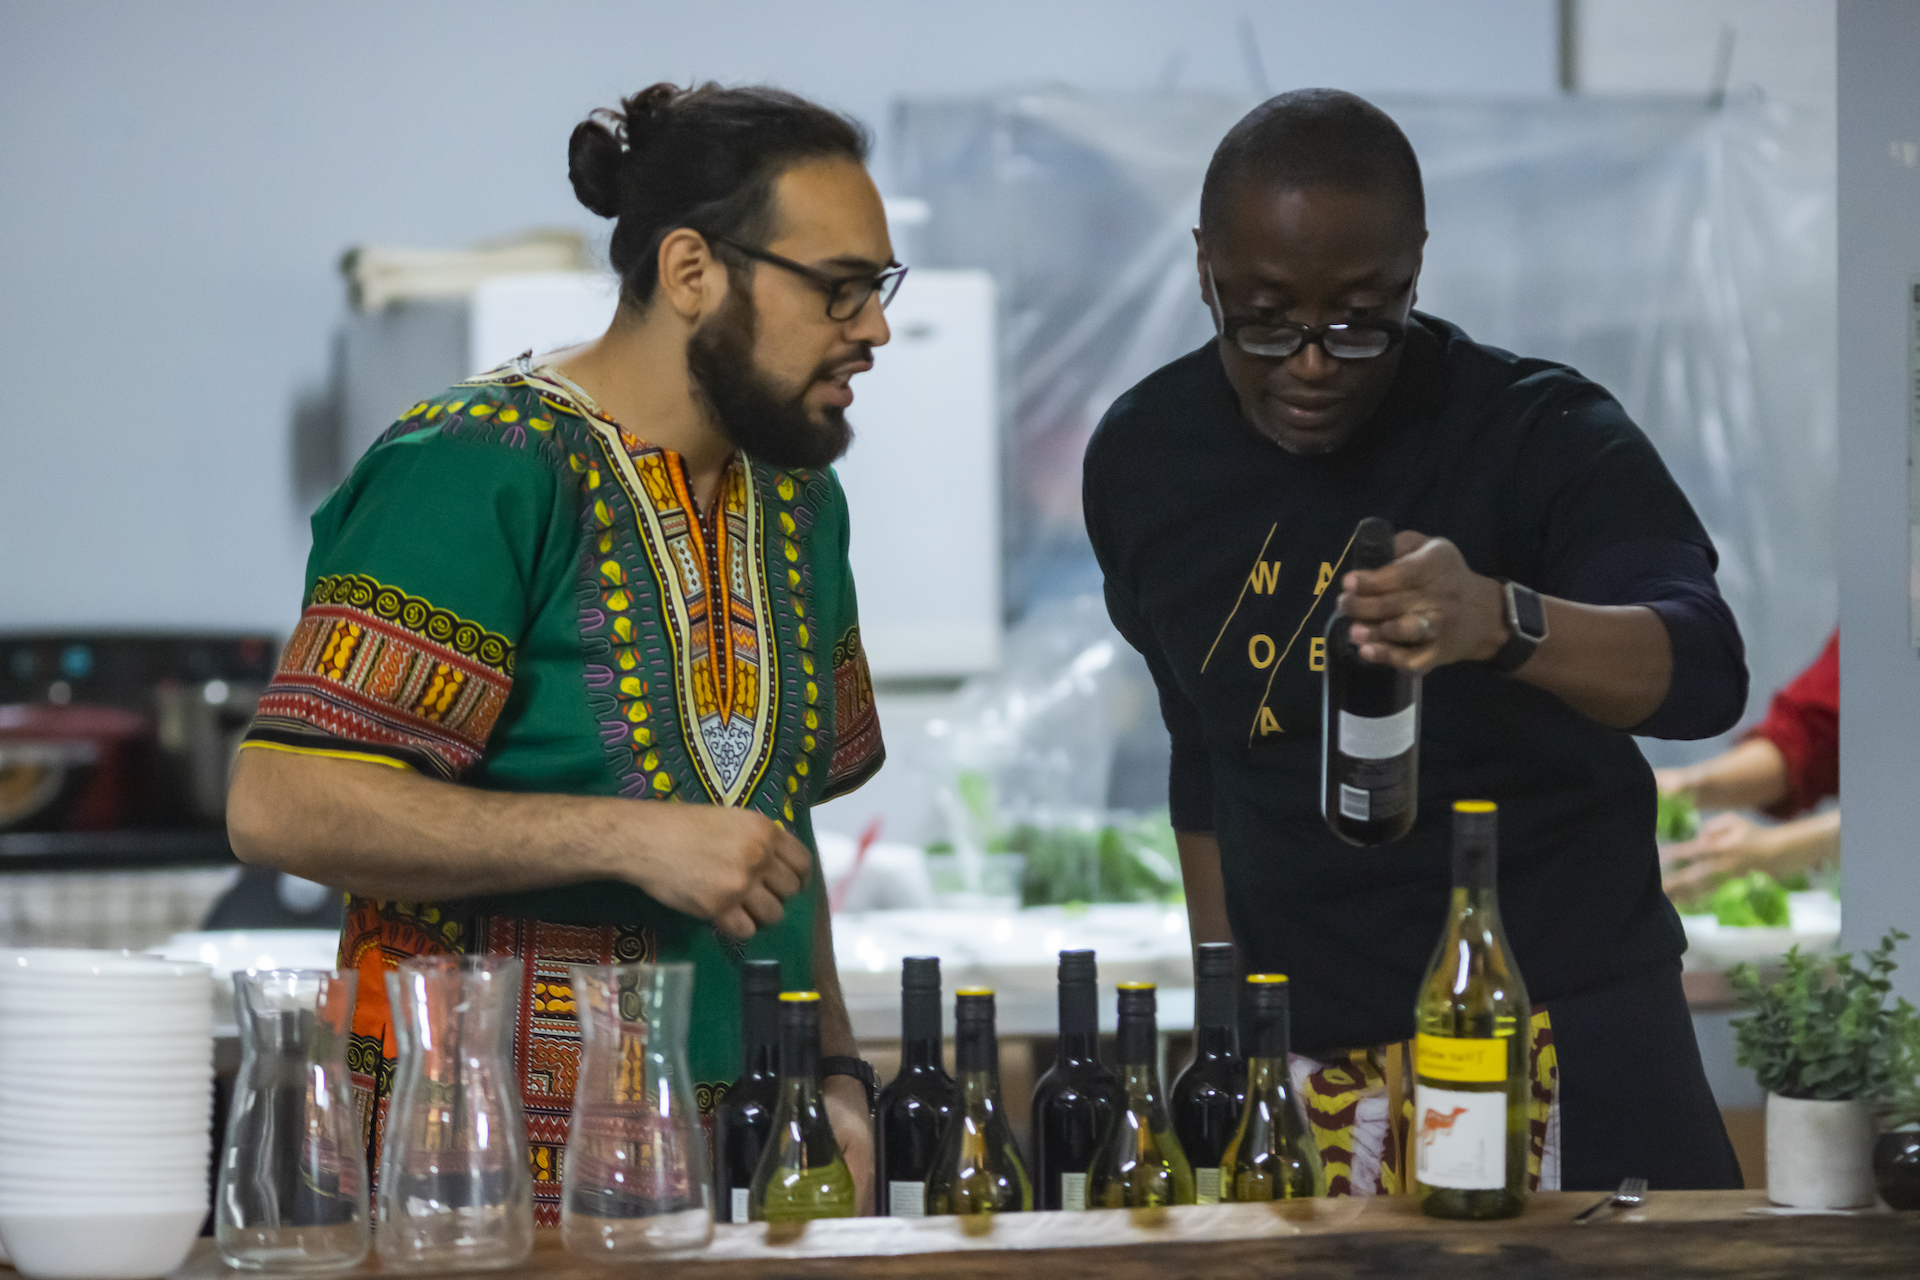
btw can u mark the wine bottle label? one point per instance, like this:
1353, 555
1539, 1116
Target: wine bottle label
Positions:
1378, 737
1073, 1191
1355, 803
739, 1210
1462, 1138
1460, 1061
1206, 1186
906, 1199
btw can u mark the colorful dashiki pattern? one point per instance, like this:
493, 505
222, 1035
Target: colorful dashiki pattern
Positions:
514, 593
1360, 1111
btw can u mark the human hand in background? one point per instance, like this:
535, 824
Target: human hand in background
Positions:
1732, 844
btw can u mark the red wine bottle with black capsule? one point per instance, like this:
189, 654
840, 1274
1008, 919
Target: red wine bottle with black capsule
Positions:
1370, 725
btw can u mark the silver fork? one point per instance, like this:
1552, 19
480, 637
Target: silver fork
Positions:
1631, 1195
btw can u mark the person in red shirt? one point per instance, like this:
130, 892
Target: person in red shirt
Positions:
1783, 767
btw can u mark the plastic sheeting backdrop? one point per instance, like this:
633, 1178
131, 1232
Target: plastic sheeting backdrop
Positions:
1681, 256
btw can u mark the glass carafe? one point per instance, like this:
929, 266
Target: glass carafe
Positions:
455, 1190
636, 1179
293, 1178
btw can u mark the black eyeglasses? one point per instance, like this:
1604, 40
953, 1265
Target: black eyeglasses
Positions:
1278, 339
846, 295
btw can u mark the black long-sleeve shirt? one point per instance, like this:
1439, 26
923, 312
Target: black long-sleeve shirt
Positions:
1222, 554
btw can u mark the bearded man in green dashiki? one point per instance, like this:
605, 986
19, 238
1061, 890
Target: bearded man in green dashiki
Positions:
580, 649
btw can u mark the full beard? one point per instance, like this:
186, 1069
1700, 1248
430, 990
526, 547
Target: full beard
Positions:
753, 414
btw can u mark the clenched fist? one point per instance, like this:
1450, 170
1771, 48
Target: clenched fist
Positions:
731, 866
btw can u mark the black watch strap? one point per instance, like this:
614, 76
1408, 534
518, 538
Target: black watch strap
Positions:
1526, 626
859, 1068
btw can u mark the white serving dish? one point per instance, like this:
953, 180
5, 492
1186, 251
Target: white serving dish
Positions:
1813, 925
232, 951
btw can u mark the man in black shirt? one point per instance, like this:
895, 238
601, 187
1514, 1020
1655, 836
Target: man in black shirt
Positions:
1221, 496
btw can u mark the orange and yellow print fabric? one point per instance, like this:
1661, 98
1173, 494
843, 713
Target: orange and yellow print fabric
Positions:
372, 671
1350, 1100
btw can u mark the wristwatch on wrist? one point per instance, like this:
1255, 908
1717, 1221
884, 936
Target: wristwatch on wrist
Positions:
859, 1068
1526, 626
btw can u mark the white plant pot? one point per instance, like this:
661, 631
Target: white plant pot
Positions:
1819, 1154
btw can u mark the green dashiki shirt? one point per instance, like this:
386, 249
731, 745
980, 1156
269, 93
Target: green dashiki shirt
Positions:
512, 592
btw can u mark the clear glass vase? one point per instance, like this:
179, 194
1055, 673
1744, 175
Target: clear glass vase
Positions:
636, 1180
293, 1178
455, 1190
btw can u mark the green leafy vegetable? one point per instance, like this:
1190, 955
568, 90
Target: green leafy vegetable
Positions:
1755, 900
1134, 861
1833, 1036
1678, 819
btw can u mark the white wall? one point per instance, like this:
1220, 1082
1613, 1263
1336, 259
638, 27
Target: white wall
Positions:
1673, 46
177, 180
1879, 61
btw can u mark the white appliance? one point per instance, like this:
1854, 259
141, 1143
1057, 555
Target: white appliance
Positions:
923, 476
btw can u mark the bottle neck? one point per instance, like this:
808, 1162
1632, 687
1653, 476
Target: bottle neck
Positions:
920, 1030
980, 1089
1266, 1075
1214, 1016
919, 1016
800, 1052
1213, 1042
1140, 1081
1268, 1037
1139, 1040
976, 1049
763, 1061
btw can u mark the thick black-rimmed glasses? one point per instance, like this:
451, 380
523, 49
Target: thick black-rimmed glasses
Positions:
1278, 339
846, 295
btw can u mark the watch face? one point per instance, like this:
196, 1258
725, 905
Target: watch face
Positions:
1529, 615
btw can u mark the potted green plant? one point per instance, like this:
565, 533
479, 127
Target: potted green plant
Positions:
1896, 1156
1826, 1046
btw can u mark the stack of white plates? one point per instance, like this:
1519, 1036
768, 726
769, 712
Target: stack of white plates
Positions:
106, 1091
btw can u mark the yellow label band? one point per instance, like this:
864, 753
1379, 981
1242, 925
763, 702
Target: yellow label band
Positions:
1464, 1061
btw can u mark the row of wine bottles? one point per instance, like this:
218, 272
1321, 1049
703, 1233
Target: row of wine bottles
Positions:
1100, 1139
1231, 1130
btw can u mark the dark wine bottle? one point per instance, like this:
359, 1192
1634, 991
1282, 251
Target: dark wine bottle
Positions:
1370, 725
744, 1117
978, 1169
1471, 1085
1207, 1095
1139, 1164
1077, 1098
1272, 1155
916, 1102
802, 1173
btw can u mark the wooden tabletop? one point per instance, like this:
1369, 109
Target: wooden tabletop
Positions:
1677, 1234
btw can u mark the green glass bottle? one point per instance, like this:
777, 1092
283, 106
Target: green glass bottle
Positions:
1139, 1164
1271, 1155
978, 1169
802, 1174
1471, 1089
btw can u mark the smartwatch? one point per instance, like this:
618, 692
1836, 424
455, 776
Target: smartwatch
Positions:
859, 1068
1526, 626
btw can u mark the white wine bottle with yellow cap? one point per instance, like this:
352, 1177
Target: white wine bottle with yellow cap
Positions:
1271, 1155
802, 1174
1139, 1164
978, 1168
1471, 1088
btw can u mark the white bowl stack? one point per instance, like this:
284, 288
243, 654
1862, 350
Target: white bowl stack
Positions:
106, 1096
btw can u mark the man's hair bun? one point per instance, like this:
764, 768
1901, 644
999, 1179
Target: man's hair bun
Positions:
598, 150
702, 156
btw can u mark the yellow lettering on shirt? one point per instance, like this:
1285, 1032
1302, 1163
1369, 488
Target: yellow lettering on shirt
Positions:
1267, 723
1266, 576
1317, 653
1325, 581
1260, 651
